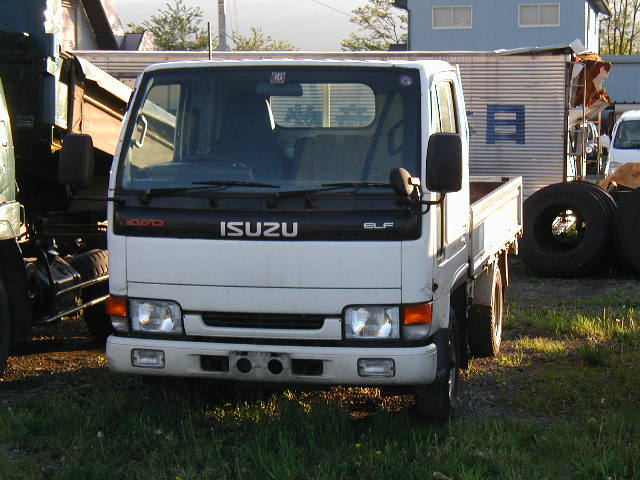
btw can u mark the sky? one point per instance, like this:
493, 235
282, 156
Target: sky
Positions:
308, 24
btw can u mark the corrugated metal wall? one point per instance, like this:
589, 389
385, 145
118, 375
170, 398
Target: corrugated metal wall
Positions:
515, 104
517, 118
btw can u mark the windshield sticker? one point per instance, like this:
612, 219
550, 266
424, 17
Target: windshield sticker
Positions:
278, 78
406, 80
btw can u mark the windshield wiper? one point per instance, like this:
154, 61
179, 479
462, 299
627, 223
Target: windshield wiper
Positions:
325, 187
145, 196
232, 183
356, 184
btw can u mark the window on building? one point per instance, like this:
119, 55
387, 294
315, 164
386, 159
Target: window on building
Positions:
539, 15
452, 17
69, 28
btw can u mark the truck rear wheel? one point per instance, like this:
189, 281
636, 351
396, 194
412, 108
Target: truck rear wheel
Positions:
437, 402
5, 331
90, 265
484, 328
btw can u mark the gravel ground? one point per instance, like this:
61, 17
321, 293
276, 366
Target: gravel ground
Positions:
62, 357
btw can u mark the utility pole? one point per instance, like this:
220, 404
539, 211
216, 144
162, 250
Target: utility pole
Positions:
222, 27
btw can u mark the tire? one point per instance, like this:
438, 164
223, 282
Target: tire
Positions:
90, 265
576, 251
5, 328
437, 402
484, 326
605, 197
610, 258
626, 231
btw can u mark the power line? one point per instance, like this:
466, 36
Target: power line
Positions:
235, 14
342, 12
233, 4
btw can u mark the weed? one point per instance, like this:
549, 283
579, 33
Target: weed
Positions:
548, 347
594, 355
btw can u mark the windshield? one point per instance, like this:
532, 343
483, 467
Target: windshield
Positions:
289, 127
628, 135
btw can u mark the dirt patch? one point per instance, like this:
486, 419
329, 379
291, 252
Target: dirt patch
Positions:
527, 290
39, 367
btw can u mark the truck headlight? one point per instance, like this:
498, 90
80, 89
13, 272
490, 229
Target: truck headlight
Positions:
156, 316
372, 322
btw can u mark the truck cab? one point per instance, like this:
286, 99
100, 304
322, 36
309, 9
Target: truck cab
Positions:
297, 221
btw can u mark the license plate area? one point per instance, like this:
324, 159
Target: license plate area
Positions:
260, 364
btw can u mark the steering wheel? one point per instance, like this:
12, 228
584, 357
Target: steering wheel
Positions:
214, 158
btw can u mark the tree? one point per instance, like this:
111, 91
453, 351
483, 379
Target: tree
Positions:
620, 33
258, 40
380, 25
176, 28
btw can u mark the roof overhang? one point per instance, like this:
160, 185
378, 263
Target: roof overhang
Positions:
601, 6
400, 4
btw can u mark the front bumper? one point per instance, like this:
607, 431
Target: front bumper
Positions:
413, 365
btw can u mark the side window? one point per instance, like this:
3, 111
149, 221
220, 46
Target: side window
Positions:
435, 112
155, 127
444, 119
447, 107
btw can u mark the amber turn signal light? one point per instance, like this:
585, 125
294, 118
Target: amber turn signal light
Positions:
117, 306
417, 314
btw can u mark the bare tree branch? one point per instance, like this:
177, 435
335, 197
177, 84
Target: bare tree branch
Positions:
380, 25
620, 33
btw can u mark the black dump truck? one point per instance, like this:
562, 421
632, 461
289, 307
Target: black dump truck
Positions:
54, 108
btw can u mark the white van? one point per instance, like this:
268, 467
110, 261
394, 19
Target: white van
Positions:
625, 146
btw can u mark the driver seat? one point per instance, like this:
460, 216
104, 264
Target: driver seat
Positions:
246, 136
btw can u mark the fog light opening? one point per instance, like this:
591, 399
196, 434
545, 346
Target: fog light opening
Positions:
275, 367
243, 365
142, 358
376, 367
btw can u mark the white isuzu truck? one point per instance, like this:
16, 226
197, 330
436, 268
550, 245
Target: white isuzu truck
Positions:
306, 221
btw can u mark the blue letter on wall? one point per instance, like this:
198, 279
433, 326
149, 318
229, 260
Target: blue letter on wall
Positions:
510, 127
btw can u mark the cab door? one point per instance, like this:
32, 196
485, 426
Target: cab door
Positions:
452, 216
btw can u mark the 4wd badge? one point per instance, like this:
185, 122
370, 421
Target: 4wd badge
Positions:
278, 78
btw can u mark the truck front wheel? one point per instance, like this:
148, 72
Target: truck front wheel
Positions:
437, 401
5, 323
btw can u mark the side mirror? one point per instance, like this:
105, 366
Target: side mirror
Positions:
77, 160
444, 163
605, 141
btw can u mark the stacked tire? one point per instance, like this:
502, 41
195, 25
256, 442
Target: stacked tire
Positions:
567, 229
626, 231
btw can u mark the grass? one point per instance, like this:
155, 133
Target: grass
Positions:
125, 429
591, 361
569, 382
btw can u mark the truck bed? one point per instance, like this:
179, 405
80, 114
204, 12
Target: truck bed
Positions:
496, 217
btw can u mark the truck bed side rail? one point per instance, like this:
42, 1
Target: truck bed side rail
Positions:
496, 219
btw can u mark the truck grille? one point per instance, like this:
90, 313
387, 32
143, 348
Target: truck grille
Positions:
263, 320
